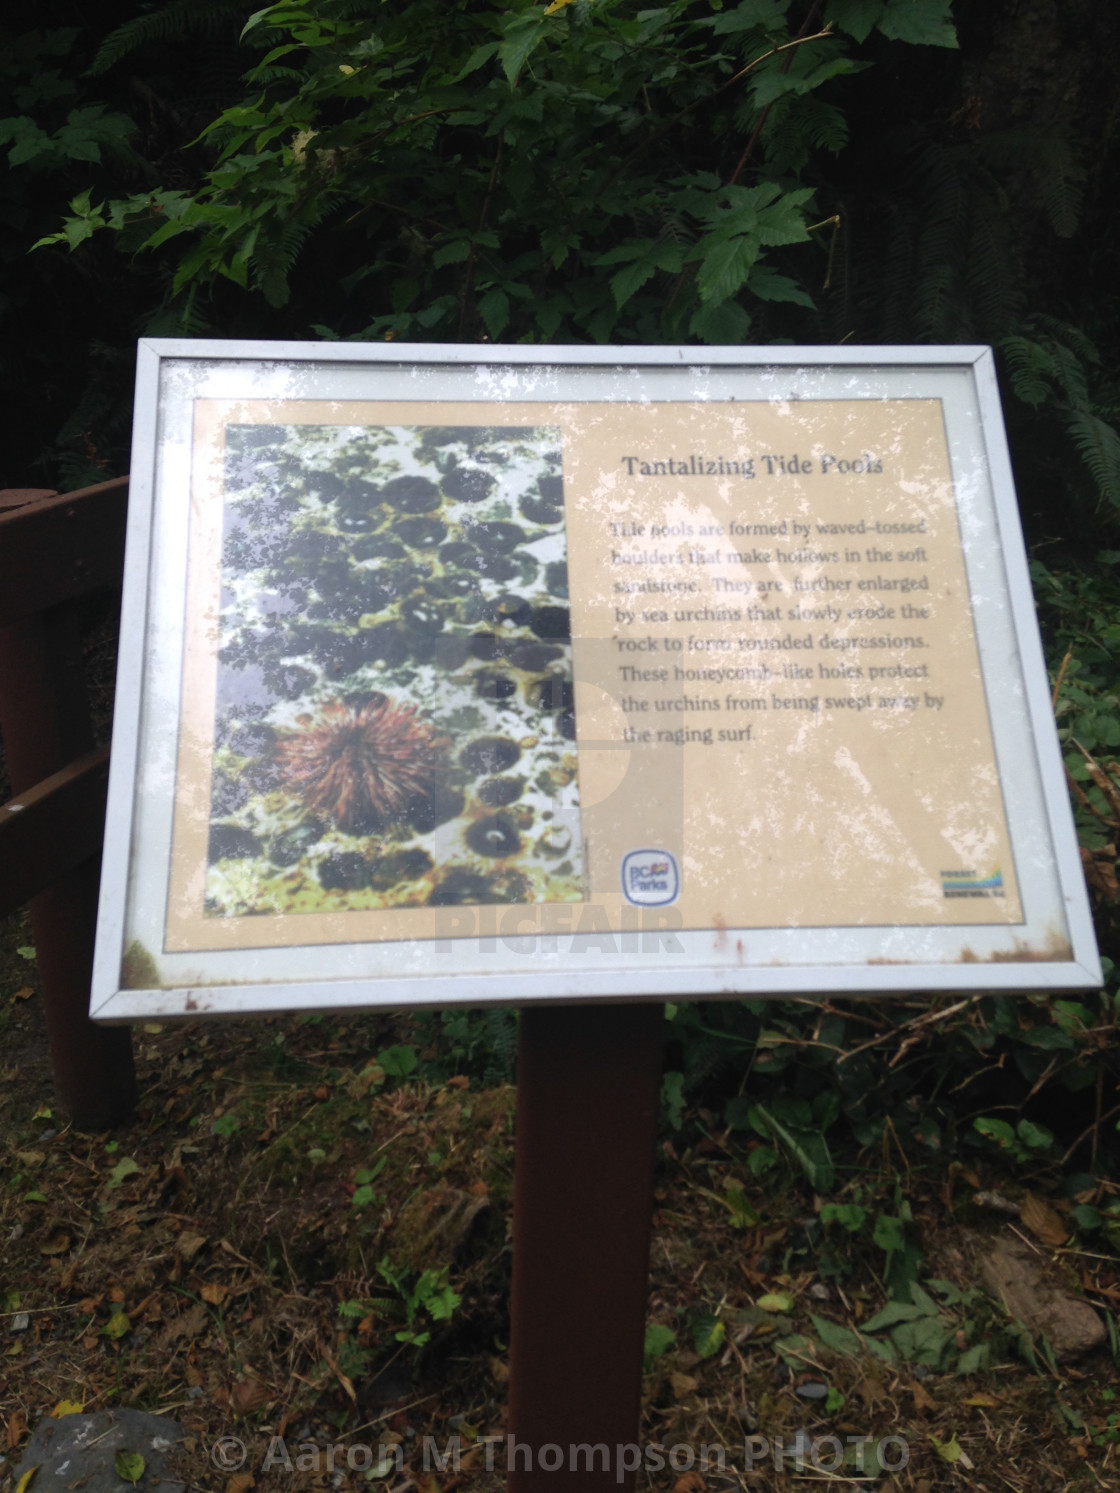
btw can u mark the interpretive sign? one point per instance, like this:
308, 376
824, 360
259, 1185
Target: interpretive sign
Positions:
499, 674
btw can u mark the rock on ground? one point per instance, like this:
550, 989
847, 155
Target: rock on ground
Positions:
77, 1454
1017, 1278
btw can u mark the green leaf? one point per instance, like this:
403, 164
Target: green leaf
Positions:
778, 1302
973, 1359
708, 1333
26, 951
923, 1340
672, 1099
1085, 1216
893, 1313
849, 1215
129, 1466
949, 1451
995, 1130
763, 1159
1035, 1136
255, 20
475, 60
453, 253
126, 1167
743, 1215
808, 1148
117, 1326
724, 269
658, 1340
768, 14
630, 280
768, 285
522, 35
493, 307
857, 17
920, 22
838, 1338
398, 1062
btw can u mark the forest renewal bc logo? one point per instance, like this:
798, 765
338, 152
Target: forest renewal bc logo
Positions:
969, 884
650, 878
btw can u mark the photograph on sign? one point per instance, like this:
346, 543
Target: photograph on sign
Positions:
496, 677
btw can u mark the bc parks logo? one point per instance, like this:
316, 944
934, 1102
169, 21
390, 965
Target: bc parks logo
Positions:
650, 878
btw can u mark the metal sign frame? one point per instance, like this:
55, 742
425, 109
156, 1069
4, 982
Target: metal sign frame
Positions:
651, 956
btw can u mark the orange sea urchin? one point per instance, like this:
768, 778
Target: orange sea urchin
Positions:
363, 767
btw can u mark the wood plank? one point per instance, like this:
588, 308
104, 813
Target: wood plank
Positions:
52, 828
54, 549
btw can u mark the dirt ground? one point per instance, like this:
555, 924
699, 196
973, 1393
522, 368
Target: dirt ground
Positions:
301, 1241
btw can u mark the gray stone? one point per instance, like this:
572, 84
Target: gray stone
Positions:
1017, 1278
76, 1454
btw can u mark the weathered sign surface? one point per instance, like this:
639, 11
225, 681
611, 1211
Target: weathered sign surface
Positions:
466, 674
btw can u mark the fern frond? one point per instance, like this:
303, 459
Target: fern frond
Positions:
1099, 446
163, 23
1045, 153
1029, 366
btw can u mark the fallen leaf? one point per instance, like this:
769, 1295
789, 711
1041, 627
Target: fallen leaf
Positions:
1043, 1222
124, 1168
241, 1482
23, 994
17, 1429
691, 1482
188, 1245
245, 1396
775, 1301
499, 1370
57, 1245
117, 1326
116, 1293
25, 1481
214, 1293
922, 1400
949, 1451
152, 1028
683, 1385
460, 1081
130, 1466
67, 1407
982, 1402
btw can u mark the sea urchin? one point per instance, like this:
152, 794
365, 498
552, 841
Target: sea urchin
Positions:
363, 767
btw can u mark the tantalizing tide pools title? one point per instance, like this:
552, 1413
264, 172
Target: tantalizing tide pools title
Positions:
695, 465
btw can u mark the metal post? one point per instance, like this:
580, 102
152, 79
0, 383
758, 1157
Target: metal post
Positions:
587, 1094
44, 717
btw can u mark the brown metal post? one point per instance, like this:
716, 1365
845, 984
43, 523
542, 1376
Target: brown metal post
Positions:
587, 1093
44, 717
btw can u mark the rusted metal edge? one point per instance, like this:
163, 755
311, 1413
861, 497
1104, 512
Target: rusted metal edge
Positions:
55, 549
52, 828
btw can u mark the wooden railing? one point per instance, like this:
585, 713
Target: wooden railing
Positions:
56, 550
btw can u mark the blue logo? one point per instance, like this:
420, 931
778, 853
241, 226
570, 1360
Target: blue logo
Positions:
650, 878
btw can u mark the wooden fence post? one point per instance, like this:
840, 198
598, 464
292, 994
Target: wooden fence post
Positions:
44, 719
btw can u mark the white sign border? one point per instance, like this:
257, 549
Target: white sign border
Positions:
844, 961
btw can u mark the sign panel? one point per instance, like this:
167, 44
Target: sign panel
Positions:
460, 674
